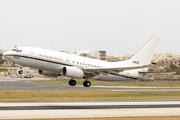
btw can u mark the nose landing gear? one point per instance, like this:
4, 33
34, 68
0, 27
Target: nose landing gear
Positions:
21, 72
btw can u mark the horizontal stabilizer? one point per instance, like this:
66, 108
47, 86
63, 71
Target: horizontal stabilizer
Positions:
154, 62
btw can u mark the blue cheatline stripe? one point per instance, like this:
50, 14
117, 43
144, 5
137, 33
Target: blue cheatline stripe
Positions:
64, 64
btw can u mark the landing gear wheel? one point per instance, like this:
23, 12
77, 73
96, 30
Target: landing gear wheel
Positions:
84, 83
20, 72
72, 82
87, 83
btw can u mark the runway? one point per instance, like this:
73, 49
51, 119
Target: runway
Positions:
83, 109
22, 84
89, 109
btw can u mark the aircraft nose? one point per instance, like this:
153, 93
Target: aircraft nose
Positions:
5, 54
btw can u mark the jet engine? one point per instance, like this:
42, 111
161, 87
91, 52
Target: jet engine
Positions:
72, 72
48, 73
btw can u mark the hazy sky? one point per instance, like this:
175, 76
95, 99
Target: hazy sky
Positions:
118, 26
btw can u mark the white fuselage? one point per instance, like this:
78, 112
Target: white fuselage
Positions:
44, 59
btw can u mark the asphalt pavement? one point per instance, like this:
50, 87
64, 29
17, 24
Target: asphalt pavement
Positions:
23, 84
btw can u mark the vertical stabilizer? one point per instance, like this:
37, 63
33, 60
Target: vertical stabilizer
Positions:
145, 54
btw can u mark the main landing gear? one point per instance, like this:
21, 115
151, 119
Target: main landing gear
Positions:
72, 82
85, 83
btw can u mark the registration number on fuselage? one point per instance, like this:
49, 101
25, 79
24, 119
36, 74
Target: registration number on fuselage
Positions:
16, 57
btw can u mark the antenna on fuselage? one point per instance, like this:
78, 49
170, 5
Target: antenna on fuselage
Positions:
15, 46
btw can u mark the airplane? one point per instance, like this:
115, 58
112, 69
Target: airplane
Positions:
54, 63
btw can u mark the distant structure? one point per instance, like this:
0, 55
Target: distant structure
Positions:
6, 63
79, 52
100, 54
117, 58
166, 60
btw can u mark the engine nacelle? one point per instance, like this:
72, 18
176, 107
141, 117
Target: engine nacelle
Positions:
72, 72
48, 73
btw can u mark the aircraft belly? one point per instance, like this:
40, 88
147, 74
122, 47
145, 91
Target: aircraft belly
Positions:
114, 78
23, 61
43, 65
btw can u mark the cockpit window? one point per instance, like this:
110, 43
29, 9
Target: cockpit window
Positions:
16, 50
19, 50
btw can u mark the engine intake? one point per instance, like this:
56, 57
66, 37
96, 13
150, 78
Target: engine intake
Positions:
72, 72
48, 73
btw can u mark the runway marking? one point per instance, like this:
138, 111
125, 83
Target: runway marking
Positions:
89, 107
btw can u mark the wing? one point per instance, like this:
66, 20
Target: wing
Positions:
111, 70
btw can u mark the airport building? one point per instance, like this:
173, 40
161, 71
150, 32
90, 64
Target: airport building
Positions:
6, 63
100, 54
79, 52
166, 60
117, 58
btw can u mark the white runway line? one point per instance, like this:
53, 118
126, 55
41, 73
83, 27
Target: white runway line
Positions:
30, 114
88, 113
89, 103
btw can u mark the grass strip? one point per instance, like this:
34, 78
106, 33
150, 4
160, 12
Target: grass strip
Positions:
67, 96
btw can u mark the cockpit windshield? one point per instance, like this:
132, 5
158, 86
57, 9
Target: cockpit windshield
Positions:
17, 50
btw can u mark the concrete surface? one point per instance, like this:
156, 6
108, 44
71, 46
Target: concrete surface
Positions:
90, 110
